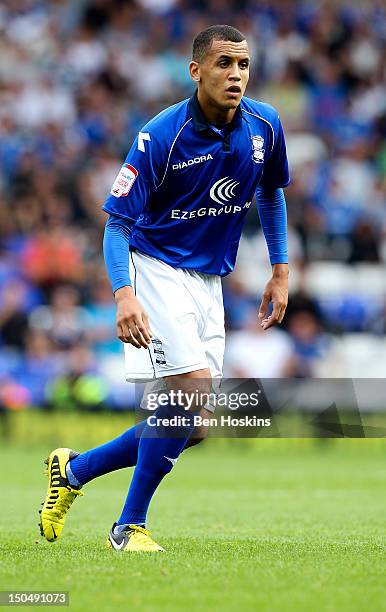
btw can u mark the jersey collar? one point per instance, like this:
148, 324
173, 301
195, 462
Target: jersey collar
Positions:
199, 121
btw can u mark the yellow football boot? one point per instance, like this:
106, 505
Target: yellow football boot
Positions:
133, 539
60, 494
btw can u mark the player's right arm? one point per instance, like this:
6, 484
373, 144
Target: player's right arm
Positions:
132, 321
128, 197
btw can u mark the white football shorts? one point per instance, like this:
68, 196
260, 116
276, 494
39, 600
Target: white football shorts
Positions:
186, 314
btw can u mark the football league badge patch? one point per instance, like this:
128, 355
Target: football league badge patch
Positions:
124, 181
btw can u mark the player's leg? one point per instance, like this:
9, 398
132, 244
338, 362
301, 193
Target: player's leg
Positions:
116, 454
68, 471
184, 339
161, 443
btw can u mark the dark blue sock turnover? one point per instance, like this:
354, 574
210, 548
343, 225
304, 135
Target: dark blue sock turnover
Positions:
159, 448
118, 453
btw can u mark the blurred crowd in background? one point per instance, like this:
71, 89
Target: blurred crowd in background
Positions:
79, 78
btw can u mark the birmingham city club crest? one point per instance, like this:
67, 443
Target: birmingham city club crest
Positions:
258, 149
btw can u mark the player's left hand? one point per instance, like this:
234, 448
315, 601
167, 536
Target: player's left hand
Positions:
275, 292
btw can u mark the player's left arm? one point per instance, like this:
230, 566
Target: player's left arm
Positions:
273, 218
271, 206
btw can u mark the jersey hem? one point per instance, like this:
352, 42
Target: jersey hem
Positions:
176, 266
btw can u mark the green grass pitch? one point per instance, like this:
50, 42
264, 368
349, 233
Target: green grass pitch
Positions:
272, 525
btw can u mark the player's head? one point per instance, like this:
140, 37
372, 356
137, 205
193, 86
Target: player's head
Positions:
220, 65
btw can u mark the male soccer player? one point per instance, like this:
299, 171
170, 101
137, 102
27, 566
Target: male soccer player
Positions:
176, 212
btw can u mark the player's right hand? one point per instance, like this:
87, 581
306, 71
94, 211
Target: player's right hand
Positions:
132, 321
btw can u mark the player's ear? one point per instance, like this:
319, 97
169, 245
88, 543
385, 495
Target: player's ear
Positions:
194, 69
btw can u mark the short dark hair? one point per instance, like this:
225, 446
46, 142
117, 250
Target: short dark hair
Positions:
203, 41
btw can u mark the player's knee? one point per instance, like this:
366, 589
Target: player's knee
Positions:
200, 432
194, 389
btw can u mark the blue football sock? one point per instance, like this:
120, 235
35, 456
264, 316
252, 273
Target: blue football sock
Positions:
118, 453
159, 449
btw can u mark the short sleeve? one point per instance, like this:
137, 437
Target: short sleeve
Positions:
276, 173
135, 181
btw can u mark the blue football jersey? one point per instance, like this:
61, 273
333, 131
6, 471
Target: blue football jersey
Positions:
186, 187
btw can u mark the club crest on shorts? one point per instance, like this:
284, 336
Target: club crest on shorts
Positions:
158, 351
124, 181
258, 149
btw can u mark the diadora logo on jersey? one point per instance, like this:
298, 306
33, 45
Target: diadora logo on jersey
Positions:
223, 190
124, 181
191, 162
258, 149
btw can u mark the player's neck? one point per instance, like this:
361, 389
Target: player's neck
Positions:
212, 113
